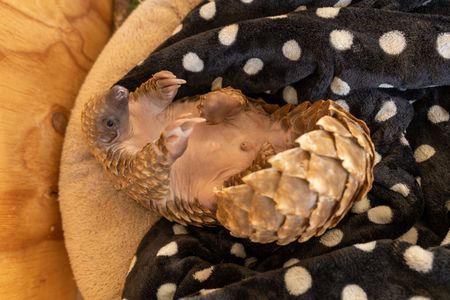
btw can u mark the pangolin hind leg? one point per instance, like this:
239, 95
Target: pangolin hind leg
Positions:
260, 162
220, 105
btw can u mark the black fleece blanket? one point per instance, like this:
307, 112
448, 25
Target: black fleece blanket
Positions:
386, 61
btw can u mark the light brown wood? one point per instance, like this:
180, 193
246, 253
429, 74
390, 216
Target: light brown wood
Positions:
46, 50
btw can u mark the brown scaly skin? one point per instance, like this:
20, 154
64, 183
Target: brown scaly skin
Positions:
235, 170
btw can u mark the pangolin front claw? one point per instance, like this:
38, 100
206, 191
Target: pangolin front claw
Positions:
160, 89
307, 189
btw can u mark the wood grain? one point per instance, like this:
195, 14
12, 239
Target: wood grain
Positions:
46, 50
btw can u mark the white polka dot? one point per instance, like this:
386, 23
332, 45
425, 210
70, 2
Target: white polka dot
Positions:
343, 104
246, 1
366, 247
361, 206
419, 298
168, 250
291, 50
166, 291
253, 66
353, 292
328, 12
403, 140
204, 274
411, 236
446, 239
378, 158
380, 214
424, 153
291, 262
437, 114
340, 87
278, 17
443, 45
132, 264
217, 84
301, 8
238, 250
332, 237
208, 11
177, 29
343, 3
179, 229
393, 42
192, 63
227, 35
401, 188
290, 95
249, 261
419, 259
387, 111
341, 39
298, 280
386, 86
207, 291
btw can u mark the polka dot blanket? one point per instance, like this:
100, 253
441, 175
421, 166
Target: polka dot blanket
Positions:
388, 63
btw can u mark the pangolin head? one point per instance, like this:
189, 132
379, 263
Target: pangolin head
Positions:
105, 119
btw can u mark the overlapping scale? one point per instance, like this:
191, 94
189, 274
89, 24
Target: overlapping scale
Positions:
309, 188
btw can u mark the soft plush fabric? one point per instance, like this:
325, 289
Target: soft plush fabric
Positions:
387, 62
101, 227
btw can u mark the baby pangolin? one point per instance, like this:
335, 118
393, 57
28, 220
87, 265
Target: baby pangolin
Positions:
267, 173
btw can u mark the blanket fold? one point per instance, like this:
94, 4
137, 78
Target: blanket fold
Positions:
388, 63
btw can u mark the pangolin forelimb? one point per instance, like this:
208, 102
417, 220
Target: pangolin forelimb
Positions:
160, 90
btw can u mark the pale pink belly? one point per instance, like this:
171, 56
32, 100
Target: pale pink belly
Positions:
216, 152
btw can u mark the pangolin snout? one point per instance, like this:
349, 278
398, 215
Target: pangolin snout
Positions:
118, 95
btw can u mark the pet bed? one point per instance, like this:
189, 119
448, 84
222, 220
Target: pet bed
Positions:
101, 228
385, 61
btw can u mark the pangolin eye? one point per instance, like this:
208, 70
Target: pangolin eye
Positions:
109, 123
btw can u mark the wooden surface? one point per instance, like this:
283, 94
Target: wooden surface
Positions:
46, 50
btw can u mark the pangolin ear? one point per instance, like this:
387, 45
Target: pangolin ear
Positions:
177, 133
